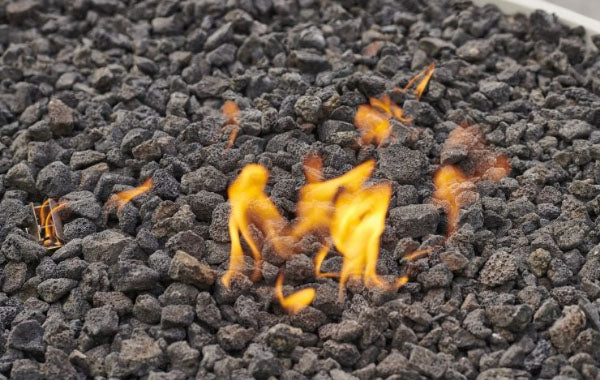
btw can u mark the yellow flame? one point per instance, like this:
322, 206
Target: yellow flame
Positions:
357, 225
422, 86
231, 113
123, 197
250, 205
316, 200
296, 301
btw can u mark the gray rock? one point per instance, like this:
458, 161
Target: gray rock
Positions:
427, 363
147, 309
308, 108
61, 118
309, 62
27, 336
222, 55
15, 275
574, 129
207, 178
54, 180
104, 246
403, 165
138, 356
498, 92
21, 177
189, 270
101, 321
54, 289
262, 363
344, 353
393, 364
283, 338
132, 275
183, 357
234, 337
19, 248
539, 261
475, 50
500, 268
512, 317
565, 330
414, 220
176, 316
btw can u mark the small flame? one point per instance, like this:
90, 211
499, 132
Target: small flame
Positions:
231, 113
50, 237
296, 301
425, 75
449, 179
250, 205
124, 197
374, 120
445, 181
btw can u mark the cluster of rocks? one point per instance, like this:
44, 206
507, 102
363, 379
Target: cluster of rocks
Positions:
98, 95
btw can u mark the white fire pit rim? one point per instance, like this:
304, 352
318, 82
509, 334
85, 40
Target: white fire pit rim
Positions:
564, 15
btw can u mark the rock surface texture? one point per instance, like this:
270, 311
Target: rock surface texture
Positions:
98, 95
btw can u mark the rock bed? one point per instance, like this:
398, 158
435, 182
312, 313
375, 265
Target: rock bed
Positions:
98, 95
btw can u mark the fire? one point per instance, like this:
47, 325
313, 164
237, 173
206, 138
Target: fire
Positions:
231, 113
123, 197
343, 211
450, 180
446, 181
316, 199
357, 225
373, 120
250, 205
296, 301
48, 232
425, 75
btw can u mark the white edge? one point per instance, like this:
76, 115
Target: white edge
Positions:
566, 16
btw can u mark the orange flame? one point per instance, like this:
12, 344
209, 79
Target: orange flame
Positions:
296, 301
343, 208
123, 197
250, 205
231, 113
357, 225
374, 120
316, 200
445, 181
425, 75
448, 179
50, 237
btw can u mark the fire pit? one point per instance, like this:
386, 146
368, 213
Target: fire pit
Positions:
294, 189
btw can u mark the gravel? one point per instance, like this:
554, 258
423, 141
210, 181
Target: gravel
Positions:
97, 96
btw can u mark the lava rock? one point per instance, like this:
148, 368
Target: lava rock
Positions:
414, 220
413, 166
189, 270
500, 268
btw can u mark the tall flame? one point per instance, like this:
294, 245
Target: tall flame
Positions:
123, 197
357, 225
231, 113
316, 200
296, 301
250, 205
449, 179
